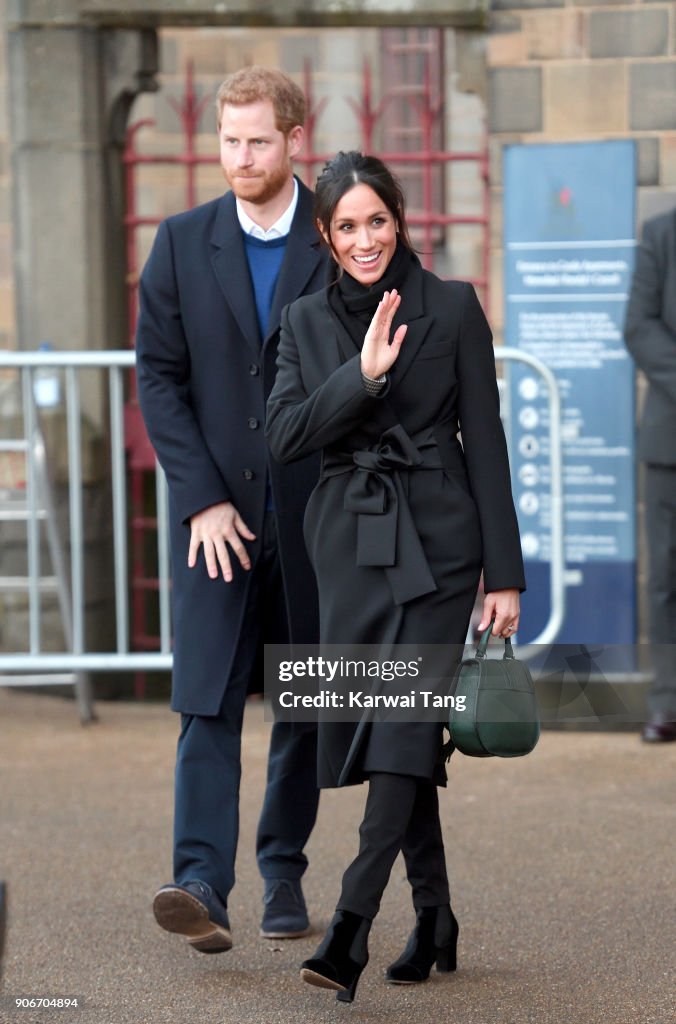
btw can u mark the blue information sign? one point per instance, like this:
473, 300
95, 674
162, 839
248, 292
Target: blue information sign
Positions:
569, 251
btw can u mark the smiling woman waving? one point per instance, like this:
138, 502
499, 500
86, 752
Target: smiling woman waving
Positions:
380, 372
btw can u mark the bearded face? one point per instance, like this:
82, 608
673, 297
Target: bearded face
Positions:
255, 154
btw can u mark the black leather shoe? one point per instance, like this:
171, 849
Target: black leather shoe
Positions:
341, 956
433, 940
196, 911
659, 729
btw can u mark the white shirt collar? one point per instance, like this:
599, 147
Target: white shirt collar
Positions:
280, 228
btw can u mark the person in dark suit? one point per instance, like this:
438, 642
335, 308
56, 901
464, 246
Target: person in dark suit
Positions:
210, 300
650, 336
379, 372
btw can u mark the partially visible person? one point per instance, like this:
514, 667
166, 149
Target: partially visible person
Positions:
380, 372
650, 336
211, 295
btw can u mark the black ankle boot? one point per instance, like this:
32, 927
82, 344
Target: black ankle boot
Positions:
434, 938
341, 957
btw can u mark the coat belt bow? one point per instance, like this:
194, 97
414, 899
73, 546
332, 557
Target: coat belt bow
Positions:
386, 533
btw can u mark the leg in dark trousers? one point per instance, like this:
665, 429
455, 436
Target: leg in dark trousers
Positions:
208, 768
342, 955
389, 806
660, 494
291, 795
396, 806
423, 850
206, 801
435, 935
291, 800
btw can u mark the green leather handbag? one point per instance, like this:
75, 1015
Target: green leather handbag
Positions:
494, 712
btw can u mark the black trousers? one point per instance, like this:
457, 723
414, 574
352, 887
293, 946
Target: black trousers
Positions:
660, 500
401, 814
208, 760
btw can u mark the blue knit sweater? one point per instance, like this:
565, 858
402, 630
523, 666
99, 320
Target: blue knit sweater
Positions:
265, 260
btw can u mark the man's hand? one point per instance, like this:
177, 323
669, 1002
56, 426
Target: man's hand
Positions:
212, 527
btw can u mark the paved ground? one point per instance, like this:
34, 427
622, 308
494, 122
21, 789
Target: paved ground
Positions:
562, 867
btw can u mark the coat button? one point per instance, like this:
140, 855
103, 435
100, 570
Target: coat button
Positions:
253, 370
253, 423
248, 474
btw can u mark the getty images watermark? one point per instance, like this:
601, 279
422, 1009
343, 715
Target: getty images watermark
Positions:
373, 676
592, 684
337, 682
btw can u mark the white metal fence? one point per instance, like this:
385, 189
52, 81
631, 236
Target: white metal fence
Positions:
67, 554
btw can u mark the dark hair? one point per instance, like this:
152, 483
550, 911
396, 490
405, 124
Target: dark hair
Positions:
346, 170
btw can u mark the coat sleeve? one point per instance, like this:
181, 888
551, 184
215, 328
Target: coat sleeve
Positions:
651, 343
163, 374
299, 424
483, 441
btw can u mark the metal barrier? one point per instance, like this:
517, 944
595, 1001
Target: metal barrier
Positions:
557, 589
77, 659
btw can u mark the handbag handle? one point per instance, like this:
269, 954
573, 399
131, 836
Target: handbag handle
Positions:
483, 644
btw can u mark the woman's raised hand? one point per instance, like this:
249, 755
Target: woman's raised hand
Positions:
377, 355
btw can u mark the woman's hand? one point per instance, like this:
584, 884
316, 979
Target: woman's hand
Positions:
503, 605
377, 355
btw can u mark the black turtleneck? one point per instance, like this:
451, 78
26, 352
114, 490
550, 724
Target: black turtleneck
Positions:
354, 304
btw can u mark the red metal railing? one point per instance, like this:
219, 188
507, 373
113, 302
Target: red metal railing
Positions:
425, 101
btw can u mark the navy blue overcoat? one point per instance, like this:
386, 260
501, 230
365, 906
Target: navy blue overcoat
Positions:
204, 374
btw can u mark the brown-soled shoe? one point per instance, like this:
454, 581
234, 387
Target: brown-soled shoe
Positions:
194, 910
659, 729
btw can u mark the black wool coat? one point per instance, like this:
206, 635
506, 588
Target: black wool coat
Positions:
204, 374
409, 576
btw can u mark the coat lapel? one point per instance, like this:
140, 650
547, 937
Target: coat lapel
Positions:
344, 340
301, 259
336, 335
411, 312
232, 270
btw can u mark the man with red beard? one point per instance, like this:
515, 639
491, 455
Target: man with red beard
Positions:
211, 296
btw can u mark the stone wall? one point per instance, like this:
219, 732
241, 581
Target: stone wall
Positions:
7, 320
581, 70
576, 70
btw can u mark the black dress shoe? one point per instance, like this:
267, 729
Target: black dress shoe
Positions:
341, 956
433, 940
660, 729
196, 911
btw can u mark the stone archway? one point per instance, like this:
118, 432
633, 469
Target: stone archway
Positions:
75, 67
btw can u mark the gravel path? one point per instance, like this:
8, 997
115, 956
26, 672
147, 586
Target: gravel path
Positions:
561, 864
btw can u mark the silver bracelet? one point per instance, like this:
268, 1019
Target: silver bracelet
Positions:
373, 385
